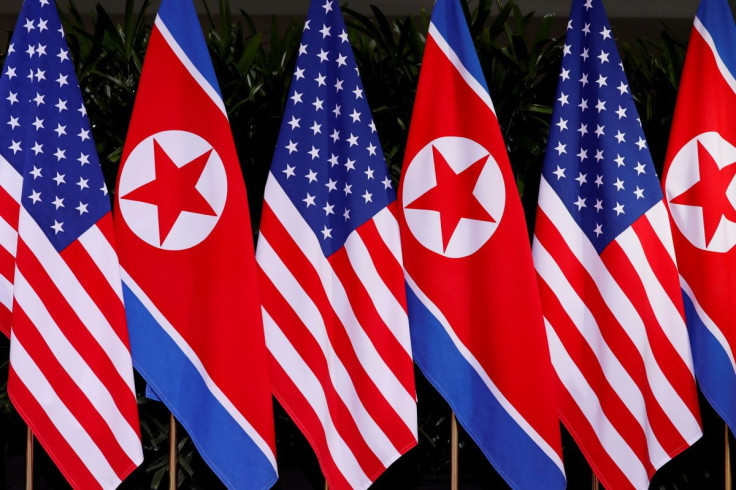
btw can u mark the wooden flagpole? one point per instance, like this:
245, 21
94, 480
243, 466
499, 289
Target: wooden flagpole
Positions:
454, 455
727, 476
595, 483
29, 459
172, 453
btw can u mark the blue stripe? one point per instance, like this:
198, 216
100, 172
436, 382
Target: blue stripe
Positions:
181, 20
448, 18
713, 368
229, 451
716, 16
511, 451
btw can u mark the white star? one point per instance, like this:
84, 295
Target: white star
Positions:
619, 161
104, 189
328, 209
294, 123
601, 106
358, 92
61, 105
583, 105
623, 88
347, 189
619, 208
57, 227
331, 185
12, 98
39, 99
585, 54
42, 24
62, 80
82, 208
60, 154
38, 123
584, 79
63, 55
83, 183
598, 205
353, 140
59, 179
14, 122
15, 146
580, 203
560, 148
82, 110
641, 143
335, 135
338, 85
31, 50
582, 154
569, 24
318, 104
323, 55
562, 124
10, 73
36, 172
29, 25
619, 184
349, 165
289, 171
306, 25
621, 137
582, 178
603, 57
309, 200
314, 152
598, 181
297, 97
326, 233
40, 75
299, 73
588, 5
369, 173
621, 112
563, 99
586, 29
37, 148
583, 129
35, 196
58, 202
599, 130
83, 159
11, 49
311, 176
320, 80
336, 110
355, 115
640, 168
325, 31
367, 196
565, 75
303, 48
371, 149
639, 193
560, 173
341, 60
316, 128
343, 36
372, 125
291, 147
601, 81
598, 156
346, 214
606, 33
598, 229
566, 50
327, 6
333, 160
84, 134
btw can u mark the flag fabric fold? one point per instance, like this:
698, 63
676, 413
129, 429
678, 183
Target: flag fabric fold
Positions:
189, 276
607, 272
698, 177
70, 376
329, 256
475, 316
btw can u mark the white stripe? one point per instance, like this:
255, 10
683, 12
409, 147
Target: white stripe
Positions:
77, 368
621, 308
62, 419
474, 84
104, 256
8, 237
388, 228
400, 400
299, 373
709, 323
584, 320
10, 180
197, 364
725, 72
586, 399
659, 219
473, 362
309, 314
387, 306
669, 317
6, 292
198, 77
79, 300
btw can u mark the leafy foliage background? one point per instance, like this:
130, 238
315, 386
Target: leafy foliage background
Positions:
520, 56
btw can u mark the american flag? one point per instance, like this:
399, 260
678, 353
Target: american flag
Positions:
332, 283
71, 376
604, 259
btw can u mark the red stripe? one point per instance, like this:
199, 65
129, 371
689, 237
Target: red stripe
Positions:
70, 394
288, 394
612, 332
7, 265
584, 357
6, 317
309, 350
74, 330
9, 208
43, 428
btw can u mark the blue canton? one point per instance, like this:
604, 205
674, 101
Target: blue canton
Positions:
597, 158
328, 158
44, 129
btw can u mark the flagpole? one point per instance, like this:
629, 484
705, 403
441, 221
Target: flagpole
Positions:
595, 483
454, 455
727, 448
29, 459
172, 452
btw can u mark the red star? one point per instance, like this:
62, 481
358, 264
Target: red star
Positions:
173, 191
453, 196
709, 192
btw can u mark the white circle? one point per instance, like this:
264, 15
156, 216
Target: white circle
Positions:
469, 235
139, 169
684, 172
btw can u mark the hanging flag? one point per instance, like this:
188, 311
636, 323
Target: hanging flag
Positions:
606, 270
189, 275
698, 178
329, 253
476, 320
70, 376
